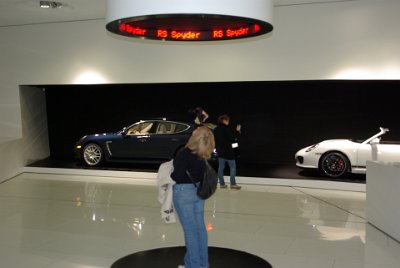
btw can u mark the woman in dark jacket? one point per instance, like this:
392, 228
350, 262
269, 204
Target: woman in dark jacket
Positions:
190, 207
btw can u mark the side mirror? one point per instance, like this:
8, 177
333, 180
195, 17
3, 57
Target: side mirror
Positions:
123, 131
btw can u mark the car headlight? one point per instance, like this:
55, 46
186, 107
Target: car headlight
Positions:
312, 147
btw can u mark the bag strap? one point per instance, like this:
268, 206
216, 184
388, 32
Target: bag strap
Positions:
190, 176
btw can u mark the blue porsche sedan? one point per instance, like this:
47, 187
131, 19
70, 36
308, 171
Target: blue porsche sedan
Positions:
154, 140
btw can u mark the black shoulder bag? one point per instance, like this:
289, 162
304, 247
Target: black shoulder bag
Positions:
208, 185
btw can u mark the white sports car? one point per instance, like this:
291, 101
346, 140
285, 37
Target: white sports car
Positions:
336, 157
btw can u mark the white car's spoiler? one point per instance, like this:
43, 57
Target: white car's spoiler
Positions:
381, 132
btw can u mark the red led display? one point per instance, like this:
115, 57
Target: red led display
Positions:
217, 34
189, 27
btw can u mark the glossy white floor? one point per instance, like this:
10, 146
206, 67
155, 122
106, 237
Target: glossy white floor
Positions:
79, 221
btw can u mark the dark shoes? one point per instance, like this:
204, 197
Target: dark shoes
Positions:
235, 186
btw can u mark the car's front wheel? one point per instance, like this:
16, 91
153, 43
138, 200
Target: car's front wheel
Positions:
334, 164
92, 154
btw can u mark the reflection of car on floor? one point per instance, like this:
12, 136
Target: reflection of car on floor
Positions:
336, 157
153, 140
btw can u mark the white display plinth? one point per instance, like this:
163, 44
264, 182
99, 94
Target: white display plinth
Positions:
383, 197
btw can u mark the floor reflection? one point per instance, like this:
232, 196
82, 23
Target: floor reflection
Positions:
57, 221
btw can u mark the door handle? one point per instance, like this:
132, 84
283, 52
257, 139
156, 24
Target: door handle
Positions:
143, 138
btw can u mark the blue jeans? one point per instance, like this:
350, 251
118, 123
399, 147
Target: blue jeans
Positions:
190, 210
232, 170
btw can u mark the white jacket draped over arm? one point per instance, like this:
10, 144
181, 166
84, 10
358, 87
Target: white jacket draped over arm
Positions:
165, 184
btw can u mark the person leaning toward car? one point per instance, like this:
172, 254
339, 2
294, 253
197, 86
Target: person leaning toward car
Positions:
201, 116
225, 136
190, 207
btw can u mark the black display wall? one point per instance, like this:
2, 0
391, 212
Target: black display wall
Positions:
277, 118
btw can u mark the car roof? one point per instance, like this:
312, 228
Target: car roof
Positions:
183, 119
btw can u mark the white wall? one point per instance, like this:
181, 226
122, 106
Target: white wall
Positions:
34, 144
383, 186
355, 39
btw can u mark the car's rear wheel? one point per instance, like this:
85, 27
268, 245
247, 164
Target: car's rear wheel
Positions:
92, 154
334, 164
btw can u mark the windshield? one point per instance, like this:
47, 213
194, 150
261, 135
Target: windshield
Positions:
357, 140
